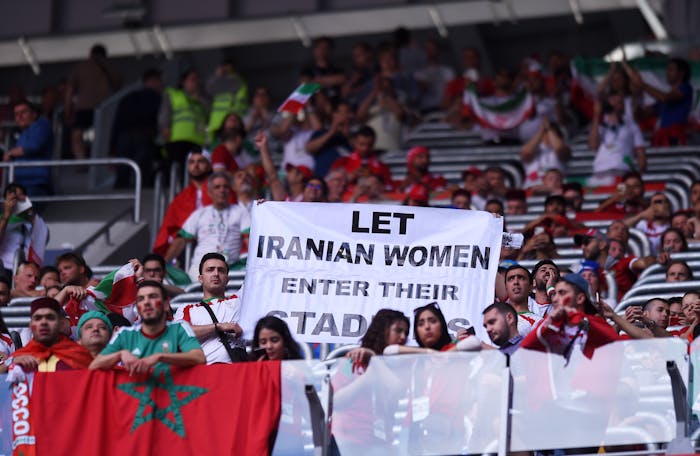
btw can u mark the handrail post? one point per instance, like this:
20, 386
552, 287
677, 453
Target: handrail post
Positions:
681, 444
137, 190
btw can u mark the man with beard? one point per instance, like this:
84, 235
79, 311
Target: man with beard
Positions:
139, 348
193, 197
418, 162
545, 274
500, 323
73, 270
220, 227
518, 288
213, 275
49, 350
244, 189
571, 323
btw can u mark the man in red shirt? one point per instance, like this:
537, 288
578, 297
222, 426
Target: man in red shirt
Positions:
192, 197
362, 161
418, 162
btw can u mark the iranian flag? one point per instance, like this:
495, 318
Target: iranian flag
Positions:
219, 409
498, 113
296, 101
116, 292
587, 74
36, 234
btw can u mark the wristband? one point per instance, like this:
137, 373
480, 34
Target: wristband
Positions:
550, 290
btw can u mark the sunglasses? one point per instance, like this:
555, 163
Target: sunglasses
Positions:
432, 305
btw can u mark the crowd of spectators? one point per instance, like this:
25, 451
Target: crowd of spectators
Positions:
331, 151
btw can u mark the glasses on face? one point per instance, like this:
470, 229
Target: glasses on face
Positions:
314, 186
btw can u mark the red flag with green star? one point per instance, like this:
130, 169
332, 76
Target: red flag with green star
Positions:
219, 409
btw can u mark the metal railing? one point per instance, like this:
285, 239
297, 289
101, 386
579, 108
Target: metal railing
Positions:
135, 195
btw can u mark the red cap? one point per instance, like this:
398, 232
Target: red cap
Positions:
304, 170
414, 152
474, 171
45, 303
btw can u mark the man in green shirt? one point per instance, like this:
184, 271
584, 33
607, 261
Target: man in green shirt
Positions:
139, 348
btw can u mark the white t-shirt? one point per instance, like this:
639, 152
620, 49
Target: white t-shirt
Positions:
527, 321
653, 233
226, 311
215, 231
545, 159
295, 150
538, 309
616, 148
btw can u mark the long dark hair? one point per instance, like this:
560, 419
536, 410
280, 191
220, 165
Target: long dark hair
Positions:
444, 335
375, 337
291, 347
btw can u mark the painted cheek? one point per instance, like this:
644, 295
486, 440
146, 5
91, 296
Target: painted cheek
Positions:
566, 300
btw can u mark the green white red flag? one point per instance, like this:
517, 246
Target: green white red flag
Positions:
219, 409
296, 101
587, 74
116, 292
37, 231
499, 114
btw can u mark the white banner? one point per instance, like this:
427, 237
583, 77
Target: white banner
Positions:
326, 269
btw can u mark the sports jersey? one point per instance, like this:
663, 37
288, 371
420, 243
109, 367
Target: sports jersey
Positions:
215, 231
653, 232
177, 337
538, 309
623, 274
527, 321
226, 311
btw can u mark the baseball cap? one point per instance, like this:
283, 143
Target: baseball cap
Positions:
578, 281
589, 265
592, 233
304, 170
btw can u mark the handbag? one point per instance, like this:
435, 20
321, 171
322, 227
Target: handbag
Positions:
237, 354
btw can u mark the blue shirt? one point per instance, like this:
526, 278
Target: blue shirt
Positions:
513, 344
37, 143
676, 112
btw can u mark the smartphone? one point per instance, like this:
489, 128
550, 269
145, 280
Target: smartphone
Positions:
539, 230
259, 353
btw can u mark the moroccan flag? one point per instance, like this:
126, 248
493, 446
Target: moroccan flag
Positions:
498, 113
218, 410
299, 97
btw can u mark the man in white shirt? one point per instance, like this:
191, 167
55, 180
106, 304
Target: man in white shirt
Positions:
220, 227
213, 275
616, 142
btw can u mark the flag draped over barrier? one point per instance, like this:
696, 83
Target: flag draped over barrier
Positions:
327, 269
222, 409
500, 113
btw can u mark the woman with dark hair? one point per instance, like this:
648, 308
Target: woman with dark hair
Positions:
388, 327
272, 335
673, 241
430, 328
